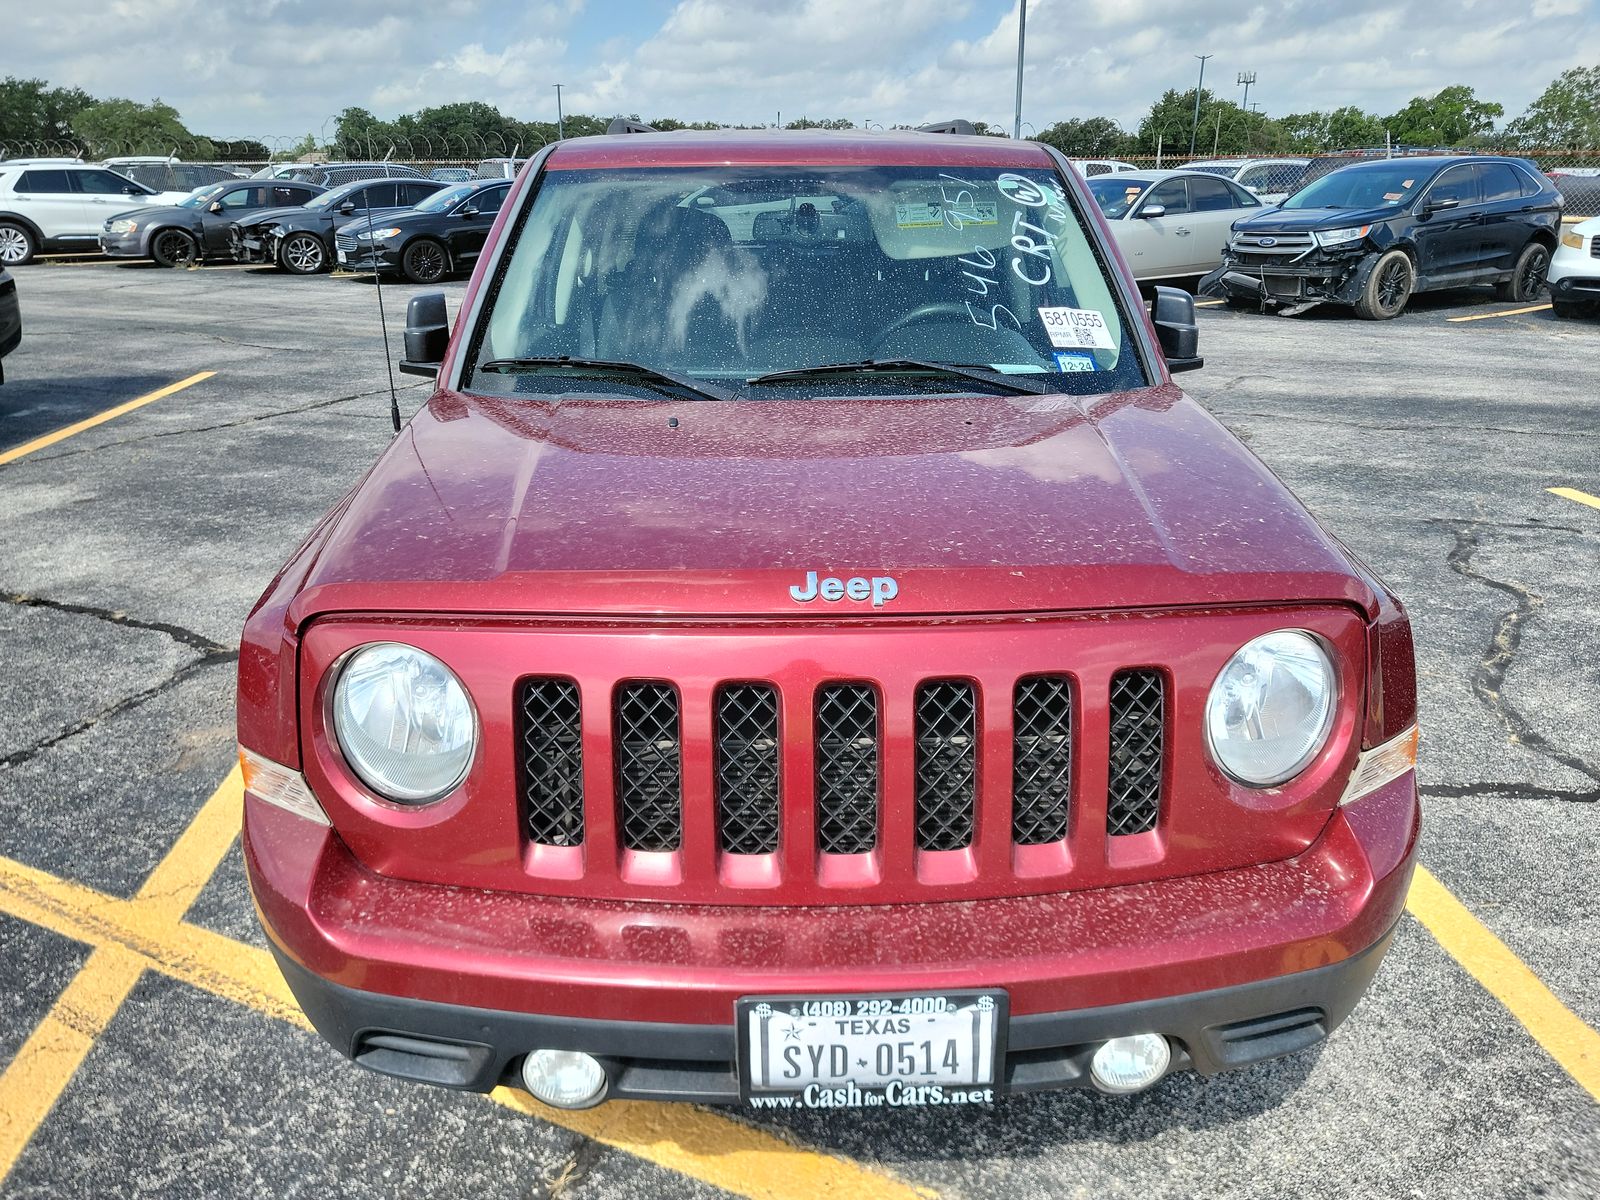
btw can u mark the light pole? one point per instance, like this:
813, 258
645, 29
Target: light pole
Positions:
1022, 41
1194, 129
560, 132
1246, 78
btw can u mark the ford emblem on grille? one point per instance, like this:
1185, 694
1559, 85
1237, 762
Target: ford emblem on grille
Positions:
879, 589
1267, 241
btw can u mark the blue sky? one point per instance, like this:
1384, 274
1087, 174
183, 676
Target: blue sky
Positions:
282, 68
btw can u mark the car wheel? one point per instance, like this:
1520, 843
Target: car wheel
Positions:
424, 261
174, 248
303, 254
1574, 308
1388, 288
17, 246
1527, 281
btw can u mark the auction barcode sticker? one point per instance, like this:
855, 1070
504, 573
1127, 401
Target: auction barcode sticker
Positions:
1071, 327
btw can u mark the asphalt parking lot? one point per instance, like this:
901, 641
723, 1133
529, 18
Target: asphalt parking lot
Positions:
148, 1047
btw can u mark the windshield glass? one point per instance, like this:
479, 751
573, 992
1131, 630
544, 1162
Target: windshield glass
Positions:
443, 199
1116, 194
725, 273
335, 197
203, 197
1390, 184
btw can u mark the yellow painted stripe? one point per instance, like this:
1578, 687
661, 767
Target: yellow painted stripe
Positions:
692, 1141
1567, 493
50, 439
35, 1078
727, 1154
1509, 312
1208, 303
1553, 1025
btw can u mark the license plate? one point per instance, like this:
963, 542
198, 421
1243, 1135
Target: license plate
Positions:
893, 1051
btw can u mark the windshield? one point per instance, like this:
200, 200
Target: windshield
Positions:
1116, 194
203, 197
1389, 184
730, 272
443, 199
335, 197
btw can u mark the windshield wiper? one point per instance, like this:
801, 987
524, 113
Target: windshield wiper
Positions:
909, 366
651, 377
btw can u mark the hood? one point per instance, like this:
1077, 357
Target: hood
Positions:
971, 504
268, 216
1285, 220
153, 212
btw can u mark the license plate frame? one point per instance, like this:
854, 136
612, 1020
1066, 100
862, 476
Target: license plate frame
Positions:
756, 1089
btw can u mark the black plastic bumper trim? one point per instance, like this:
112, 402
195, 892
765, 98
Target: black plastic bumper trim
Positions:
1213, 1031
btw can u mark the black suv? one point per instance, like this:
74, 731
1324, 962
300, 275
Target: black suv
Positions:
1372, 234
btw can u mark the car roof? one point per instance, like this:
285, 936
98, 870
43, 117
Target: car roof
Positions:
790, 147
1437, 161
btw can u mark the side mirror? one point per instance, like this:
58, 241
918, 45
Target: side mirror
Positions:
466, 214
428, 335
1151, 210
1176, 331
216, 206
1442, 204
133, 189
348, 207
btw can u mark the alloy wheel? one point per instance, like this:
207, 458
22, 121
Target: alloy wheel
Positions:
13, 246
426, 261
304, 254
1533, 275
1392, 285
173, 247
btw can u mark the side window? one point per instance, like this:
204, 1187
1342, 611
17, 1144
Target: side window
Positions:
1499, 183
1207, 193
416, 193
287, 197
48, 182
1097, 169
1459, 184
377, 195
1528, 184
1256, 177
1170, 195
1242, 198
249, 197
490, 199
100, 183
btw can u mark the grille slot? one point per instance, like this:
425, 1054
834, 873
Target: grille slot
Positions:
747, 768
847, 768
1138, 726
550, 760
1041, 756
947, 764
649, 749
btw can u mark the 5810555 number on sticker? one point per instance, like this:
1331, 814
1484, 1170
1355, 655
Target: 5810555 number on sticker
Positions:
1073, 327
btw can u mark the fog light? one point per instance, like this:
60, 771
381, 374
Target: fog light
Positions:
565, 1078
1130, 1064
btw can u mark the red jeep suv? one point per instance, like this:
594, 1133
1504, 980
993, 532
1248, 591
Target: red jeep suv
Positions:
808, 653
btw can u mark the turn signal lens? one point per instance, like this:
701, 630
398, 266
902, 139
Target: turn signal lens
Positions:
279, 785
1572, 239
1383, 764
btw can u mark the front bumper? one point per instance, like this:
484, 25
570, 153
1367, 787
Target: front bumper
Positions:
1236, 966
364, 256
1335, 278
1574, 274
122, 245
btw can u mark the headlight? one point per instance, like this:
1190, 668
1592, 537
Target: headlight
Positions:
1337, 237
1574, 240
376, 235
123, 227
1271, 708
404, 722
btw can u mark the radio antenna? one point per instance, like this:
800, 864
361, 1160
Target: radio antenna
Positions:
383, 320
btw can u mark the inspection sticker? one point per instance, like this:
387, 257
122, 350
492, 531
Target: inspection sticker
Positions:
1075, 360
1076, 327
933, 213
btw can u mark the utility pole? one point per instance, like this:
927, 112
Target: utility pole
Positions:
1217, 136
1194, 129
560, 130
1022, 41
1246, 78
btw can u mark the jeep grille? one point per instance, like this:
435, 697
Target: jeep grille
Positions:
1138, 724
747, 752
649, 752
947, 764
550, 760
847, 768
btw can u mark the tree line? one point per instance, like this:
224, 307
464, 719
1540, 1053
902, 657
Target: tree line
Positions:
35, 118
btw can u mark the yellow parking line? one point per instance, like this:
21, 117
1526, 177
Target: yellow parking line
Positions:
1509, 312
34, 1080
50, 439
1573, 1044
1208, 303
1567, 493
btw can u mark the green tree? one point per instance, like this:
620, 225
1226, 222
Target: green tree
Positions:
128, 127
357, 134
1087, 137
33, 112
1350, 127
1170, 122
832, 123
1448, 118
1565, 116
1305, 133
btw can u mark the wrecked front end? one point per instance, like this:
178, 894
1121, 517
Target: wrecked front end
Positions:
1290, 270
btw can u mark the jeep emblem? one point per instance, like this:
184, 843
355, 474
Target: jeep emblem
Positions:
879, 589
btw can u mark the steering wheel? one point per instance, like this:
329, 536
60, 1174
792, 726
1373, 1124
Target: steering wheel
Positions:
926, 312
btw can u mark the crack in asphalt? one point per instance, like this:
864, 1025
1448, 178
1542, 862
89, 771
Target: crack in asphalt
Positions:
286, 412
1221, 413
1514, 791
18, 757
210, 653
1489, 676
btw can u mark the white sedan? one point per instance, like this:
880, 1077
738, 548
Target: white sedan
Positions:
1575, 271
1171, 224
1270, 180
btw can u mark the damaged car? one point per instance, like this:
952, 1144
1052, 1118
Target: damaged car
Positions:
1374, 234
